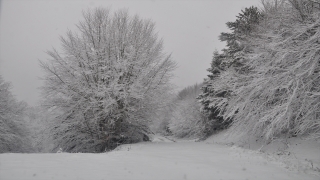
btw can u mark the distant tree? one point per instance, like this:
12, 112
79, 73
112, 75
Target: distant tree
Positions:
13, 130
109, 78
186, 119
39, 120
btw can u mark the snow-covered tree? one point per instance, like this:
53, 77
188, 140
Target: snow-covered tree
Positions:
13, 130
184, 118
107, 81
275, 90
216, 90
280, 92
39, 120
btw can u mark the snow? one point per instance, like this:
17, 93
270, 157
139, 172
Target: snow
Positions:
295, 153
161, 159
156, 139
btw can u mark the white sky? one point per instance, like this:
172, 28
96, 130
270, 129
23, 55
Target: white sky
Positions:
190, 30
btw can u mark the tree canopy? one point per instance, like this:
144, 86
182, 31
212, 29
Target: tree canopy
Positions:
266, 82
107, 81
13, 131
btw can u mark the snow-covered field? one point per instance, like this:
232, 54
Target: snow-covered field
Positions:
152, 160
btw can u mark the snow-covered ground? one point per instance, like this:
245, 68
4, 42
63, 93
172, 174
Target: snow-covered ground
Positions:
161, 159
295, 153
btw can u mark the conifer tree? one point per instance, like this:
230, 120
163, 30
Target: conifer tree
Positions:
215, 95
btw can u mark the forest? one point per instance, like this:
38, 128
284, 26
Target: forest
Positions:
109, 84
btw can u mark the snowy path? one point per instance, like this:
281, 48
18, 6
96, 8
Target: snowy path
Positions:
163, 160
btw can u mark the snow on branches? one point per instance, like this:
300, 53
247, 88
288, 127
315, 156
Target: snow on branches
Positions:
105, 79
275, 90
186, 119
13, 130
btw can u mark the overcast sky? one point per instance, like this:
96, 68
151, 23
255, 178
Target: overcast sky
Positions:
190, 30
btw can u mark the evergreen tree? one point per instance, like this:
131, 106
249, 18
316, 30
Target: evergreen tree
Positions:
215, 94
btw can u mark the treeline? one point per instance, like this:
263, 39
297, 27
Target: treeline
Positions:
266, 82
184, 116
101, 90
14, 134
110, 84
